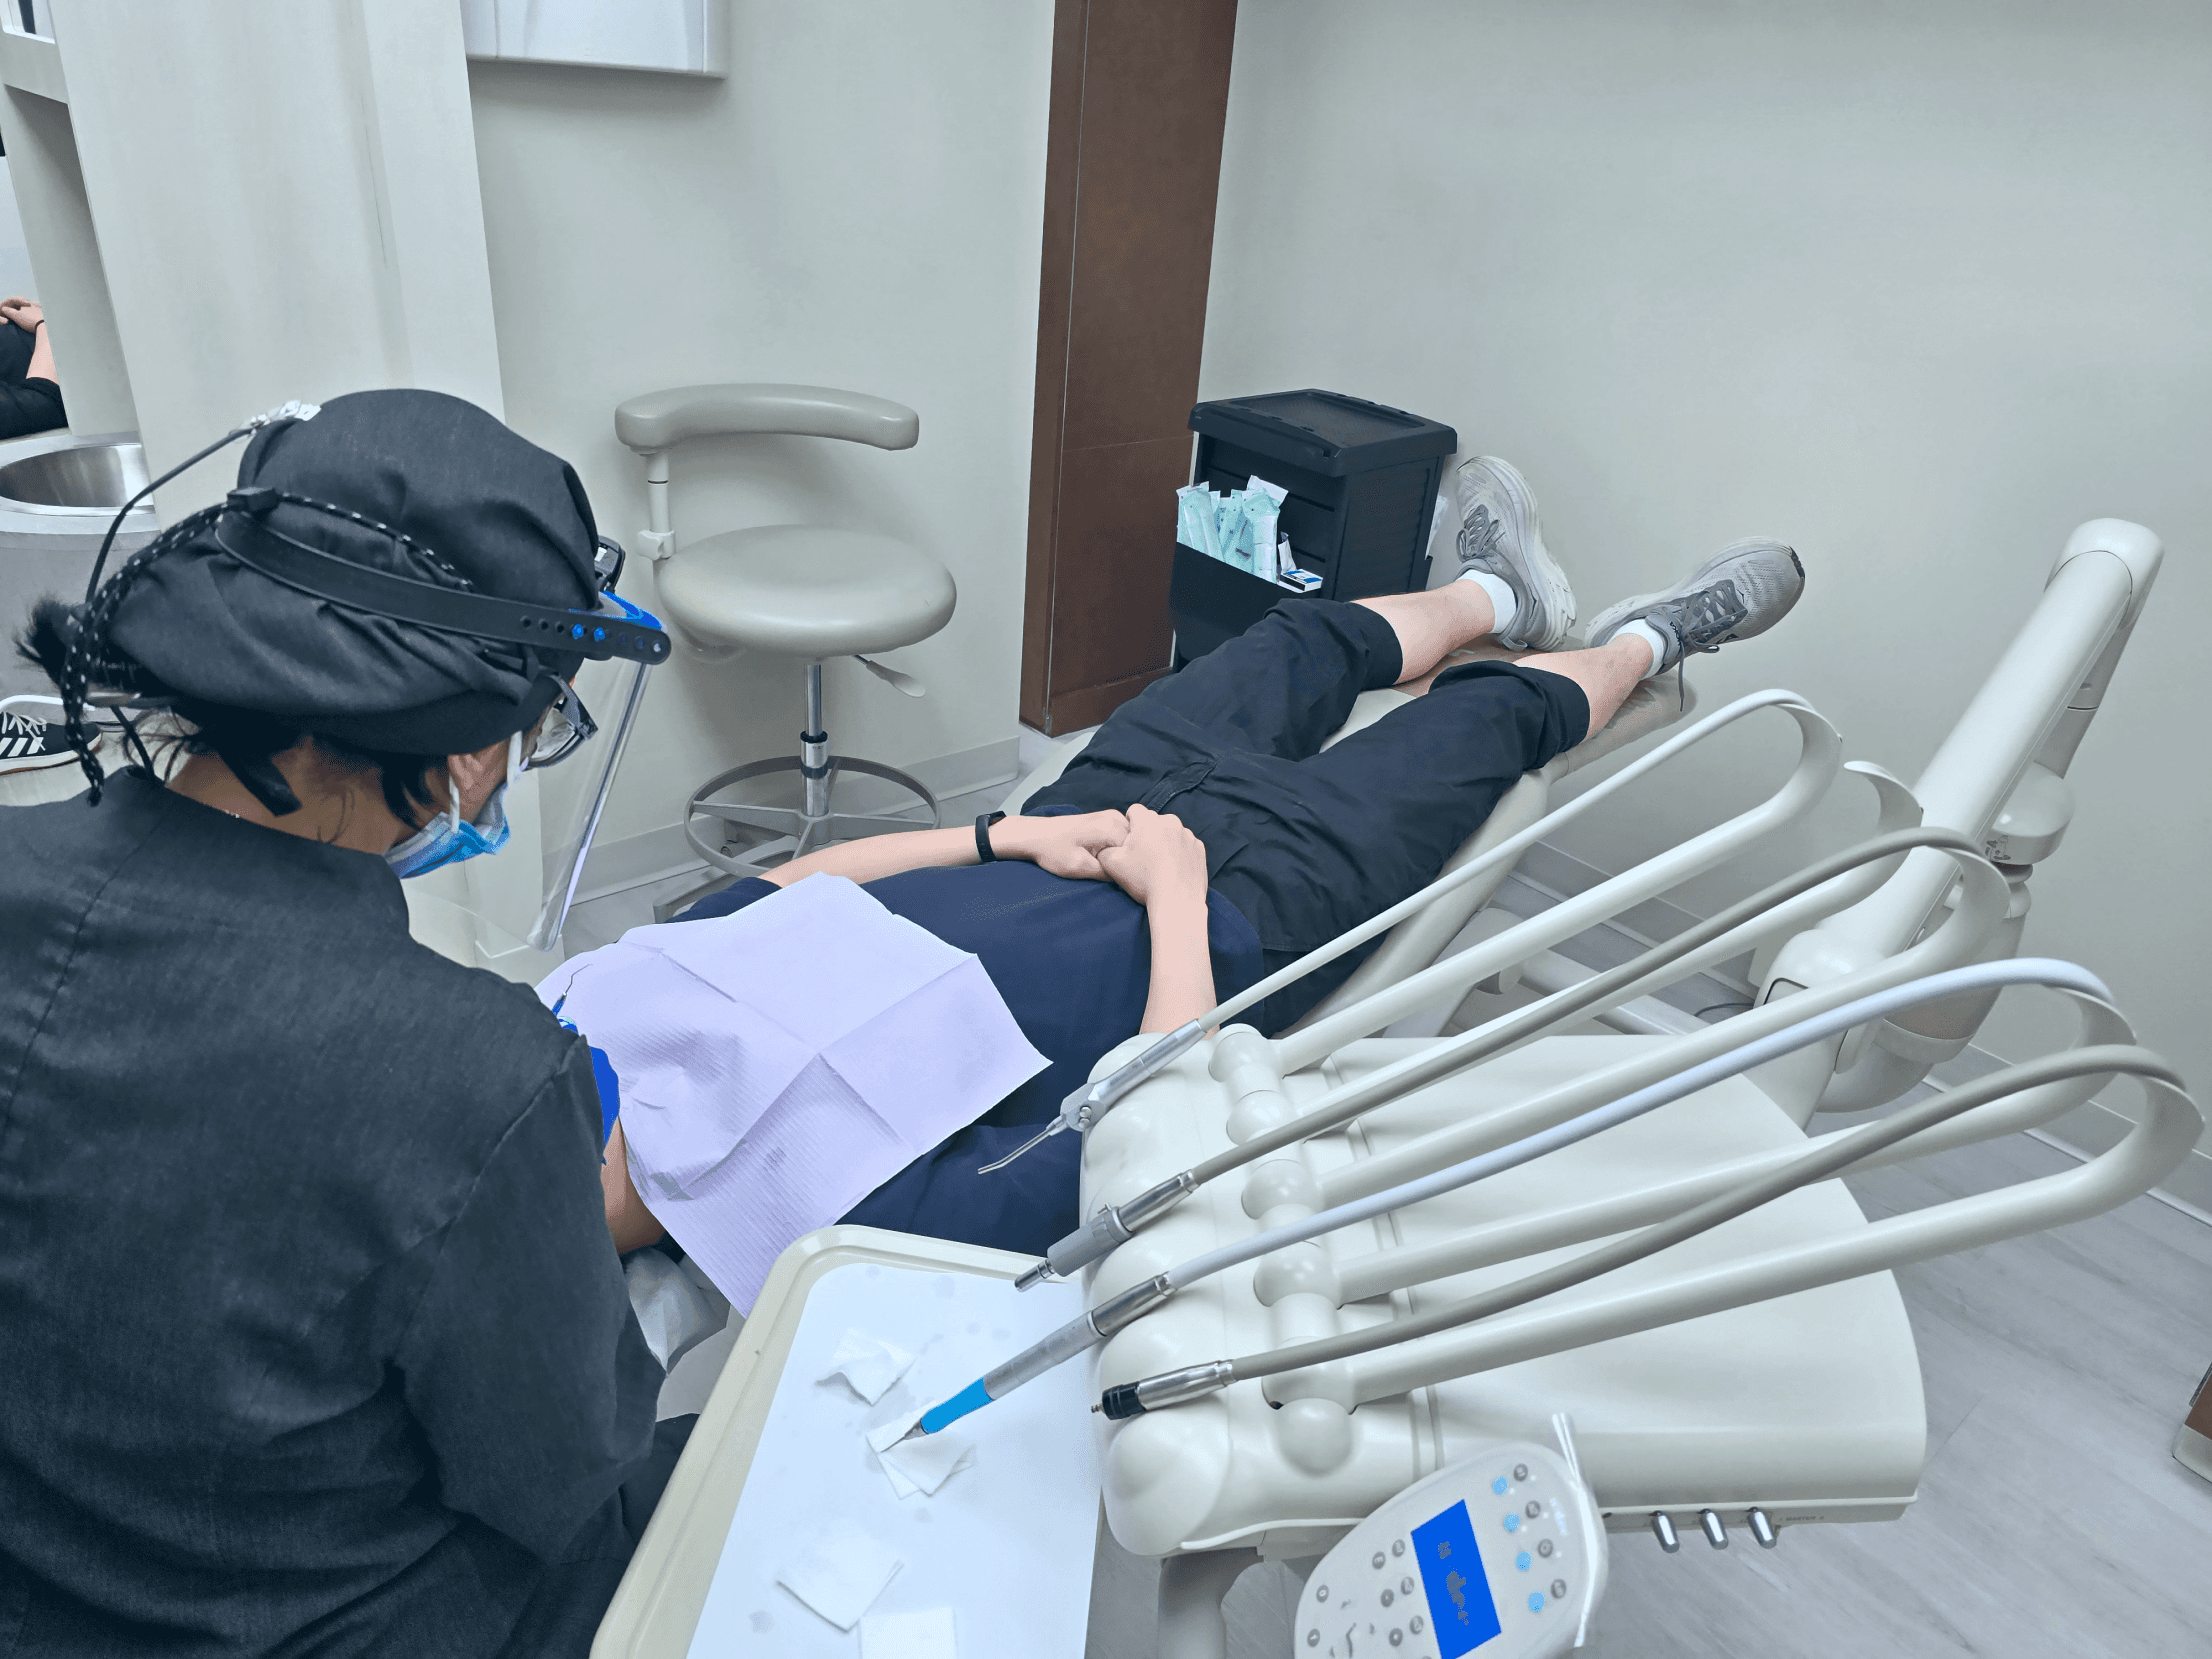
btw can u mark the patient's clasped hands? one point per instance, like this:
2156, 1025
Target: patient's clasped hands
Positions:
1140, 851
1159, 860
1066, 844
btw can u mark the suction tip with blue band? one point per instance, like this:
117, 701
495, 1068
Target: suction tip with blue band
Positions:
972, 1398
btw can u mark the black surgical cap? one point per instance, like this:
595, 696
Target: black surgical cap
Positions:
482, 510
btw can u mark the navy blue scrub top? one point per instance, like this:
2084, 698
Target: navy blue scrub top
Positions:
1073, 960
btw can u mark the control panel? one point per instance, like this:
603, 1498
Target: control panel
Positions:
1500, 1555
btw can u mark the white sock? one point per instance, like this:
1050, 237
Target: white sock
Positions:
1651, 637
1504, 607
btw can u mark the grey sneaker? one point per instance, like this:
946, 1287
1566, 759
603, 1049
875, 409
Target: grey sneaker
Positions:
1498, 536
1744, 589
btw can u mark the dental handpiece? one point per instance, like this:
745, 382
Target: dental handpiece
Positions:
1081, 1334
1077, 1336
1115, 1224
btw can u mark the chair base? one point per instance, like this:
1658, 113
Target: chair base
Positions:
792, 832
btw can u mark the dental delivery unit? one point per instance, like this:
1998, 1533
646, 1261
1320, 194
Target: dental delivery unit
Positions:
1444, 1310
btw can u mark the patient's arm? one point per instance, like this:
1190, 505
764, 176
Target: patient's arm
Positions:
1067, 845
1162, 865
628, 1220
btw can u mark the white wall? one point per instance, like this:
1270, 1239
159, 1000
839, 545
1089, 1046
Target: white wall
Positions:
1917, 288
15, 257
284, 206
233, 207
860, 205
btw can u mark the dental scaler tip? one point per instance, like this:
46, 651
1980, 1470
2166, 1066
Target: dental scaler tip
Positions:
1077, 1336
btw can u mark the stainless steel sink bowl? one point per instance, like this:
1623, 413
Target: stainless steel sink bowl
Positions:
93, 478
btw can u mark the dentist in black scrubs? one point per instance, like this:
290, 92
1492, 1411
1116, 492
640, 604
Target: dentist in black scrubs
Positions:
313, 1337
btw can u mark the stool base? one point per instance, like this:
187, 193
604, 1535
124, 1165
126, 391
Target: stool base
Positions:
793, 831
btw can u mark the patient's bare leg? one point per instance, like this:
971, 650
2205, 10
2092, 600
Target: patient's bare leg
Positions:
1432, 625
1607, 673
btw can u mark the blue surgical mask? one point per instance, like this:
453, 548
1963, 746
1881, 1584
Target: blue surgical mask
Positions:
446, 840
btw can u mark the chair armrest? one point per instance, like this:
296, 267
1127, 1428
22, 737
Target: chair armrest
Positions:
661, 420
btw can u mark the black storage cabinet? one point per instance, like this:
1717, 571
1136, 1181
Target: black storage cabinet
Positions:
1362, 479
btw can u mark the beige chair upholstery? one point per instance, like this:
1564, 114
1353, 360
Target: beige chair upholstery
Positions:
802, 590
662, 420
798, 590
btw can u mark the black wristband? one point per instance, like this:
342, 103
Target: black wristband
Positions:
983, 853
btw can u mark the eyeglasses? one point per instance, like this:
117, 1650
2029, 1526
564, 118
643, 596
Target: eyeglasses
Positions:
566, 727
606, 563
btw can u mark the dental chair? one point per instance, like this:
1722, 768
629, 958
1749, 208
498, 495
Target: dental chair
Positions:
797, 590
1757, 1375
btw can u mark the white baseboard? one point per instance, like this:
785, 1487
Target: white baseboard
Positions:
1032, 747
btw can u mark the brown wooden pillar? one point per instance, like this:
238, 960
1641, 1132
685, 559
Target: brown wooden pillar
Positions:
1139, 92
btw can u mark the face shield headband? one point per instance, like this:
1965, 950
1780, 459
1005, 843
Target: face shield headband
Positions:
595, 635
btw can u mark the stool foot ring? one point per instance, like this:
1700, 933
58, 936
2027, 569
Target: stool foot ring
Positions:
796, 832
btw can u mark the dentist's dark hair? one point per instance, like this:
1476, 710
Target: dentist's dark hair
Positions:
246, 741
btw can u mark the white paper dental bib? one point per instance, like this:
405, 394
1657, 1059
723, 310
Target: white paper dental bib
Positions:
779, 1063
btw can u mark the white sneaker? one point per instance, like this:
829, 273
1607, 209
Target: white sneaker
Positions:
1498, 536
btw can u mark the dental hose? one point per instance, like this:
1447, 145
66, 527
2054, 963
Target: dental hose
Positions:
1099, 1323
1114, 1224
1839, 1152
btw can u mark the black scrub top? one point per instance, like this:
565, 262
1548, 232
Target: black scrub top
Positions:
26, 405
311, 1334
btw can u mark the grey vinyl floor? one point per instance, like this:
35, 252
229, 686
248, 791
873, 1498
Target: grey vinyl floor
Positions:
2052, 1522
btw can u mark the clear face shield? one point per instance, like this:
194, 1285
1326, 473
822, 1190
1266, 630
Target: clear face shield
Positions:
569, 729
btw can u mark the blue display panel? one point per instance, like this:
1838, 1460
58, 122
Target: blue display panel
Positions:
1458, 1589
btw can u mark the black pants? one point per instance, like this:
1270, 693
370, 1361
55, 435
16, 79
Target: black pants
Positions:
1308, 844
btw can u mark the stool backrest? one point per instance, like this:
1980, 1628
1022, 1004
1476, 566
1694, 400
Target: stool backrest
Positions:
658, 421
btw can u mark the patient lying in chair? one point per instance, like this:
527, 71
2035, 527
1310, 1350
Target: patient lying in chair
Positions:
1204, 838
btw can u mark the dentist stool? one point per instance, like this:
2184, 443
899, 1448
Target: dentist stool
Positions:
799, 590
